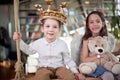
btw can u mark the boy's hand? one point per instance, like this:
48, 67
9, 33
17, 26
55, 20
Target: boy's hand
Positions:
16, 36
79, 76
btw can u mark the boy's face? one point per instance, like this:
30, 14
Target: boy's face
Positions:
95, 24
51, 29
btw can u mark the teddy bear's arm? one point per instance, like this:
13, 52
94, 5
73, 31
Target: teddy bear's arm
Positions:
113, 57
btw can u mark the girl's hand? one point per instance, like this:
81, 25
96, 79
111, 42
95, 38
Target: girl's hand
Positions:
79, 76
16, 36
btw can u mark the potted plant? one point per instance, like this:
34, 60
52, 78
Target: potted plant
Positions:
115, 22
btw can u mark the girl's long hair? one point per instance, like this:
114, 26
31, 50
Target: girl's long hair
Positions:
103, 31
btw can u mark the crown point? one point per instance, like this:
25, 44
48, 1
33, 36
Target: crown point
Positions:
63, 4
48, 2
39, 7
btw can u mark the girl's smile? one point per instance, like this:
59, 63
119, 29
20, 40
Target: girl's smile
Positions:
95, 24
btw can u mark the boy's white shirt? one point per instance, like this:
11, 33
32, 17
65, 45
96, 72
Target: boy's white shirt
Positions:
54, 54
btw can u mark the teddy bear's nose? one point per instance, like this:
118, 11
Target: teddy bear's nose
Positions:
100, 50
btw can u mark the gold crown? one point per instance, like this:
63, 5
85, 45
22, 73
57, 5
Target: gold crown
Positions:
49, 13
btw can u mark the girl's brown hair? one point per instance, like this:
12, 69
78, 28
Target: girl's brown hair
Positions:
103, 31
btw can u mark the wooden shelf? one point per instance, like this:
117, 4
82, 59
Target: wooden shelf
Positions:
29, 16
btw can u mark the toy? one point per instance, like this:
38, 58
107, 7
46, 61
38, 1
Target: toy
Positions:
99, 46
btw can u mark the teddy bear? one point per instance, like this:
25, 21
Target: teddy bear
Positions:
99, 46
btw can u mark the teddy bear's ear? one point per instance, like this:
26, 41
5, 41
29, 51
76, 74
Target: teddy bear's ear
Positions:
91, 44
105, 37
91, 41
98, 37
90, 38
105, 44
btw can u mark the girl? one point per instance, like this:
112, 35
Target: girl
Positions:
53, 53
95, 26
